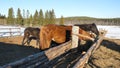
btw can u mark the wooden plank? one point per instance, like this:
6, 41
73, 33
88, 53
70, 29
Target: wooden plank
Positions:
85, 58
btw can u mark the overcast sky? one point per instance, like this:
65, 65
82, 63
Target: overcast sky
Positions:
66, 8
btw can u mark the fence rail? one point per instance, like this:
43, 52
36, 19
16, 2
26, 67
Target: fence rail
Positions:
10, 32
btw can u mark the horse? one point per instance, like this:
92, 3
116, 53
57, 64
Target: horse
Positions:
89, 27
31, 33
57, 33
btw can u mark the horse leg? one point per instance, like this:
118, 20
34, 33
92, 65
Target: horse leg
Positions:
37, 43
29, 40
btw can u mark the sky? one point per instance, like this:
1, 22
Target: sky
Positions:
66, 8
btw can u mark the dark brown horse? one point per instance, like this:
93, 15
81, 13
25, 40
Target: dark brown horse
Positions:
89, 27
31, 33
57, 33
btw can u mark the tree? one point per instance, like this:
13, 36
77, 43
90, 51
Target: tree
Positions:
41, 17
31, 20
10, 18
35, 18
61, 20
27, 17
52, 16
46, 18
19, 17
23, 16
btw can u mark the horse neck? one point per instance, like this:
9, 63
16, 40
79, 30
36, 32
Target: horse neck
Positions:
84, 33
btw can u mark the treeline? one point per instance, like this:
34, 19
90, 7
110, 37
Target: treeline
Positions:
2, 16
39, 18
27, 19
88, 20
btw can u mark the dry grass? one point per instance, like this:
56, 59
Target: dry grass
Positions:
107, 56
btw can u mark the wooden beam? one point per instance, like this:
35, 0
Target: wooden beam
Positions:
84, 36
57, 51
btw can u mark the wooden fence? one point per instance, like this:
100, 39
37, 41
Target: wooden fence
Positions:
10, 31
82, 61
44, 58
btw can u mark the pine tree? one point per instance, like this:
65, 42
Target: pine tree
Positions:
23, 16
10, 18
27, 17
52, 17
41, 17
31, 20
35, 21
19, 17
61, 20
46, 18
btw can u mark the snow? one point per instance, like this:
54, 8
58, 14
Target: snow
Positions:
3, 30
112, 31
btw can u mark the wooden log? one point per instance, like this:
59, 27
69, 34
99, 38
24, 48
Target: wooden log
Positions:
81, 35
85, 58
75, 30
57, 51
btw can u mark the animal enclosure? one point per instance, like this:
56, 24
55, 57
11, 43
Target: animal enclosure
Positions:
52, 55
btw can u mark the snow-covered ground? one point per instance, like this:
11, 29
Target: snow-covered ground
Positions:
21, 30
112, 31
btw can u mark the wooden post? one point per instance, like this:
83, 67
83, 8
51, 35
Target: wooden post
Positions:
75, 30
10, 32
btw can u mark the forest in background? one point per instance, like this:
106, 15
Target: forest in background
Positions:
39, 18
89, 20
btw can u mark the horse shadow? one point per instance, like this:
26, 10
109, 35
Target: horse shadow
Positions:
13, 52
111, 45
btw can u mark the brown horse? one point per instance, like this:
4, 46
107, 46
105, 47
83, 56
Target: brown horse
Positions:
31, 33
56, 33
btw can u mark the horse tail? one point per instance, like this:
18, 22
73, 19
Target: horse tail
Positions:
45, 40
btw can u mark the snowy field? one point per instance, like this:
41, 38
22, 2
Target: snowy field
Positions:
14, 29
112, 31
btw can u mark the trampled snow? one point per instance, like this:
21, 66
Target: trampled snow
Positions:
112, 31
